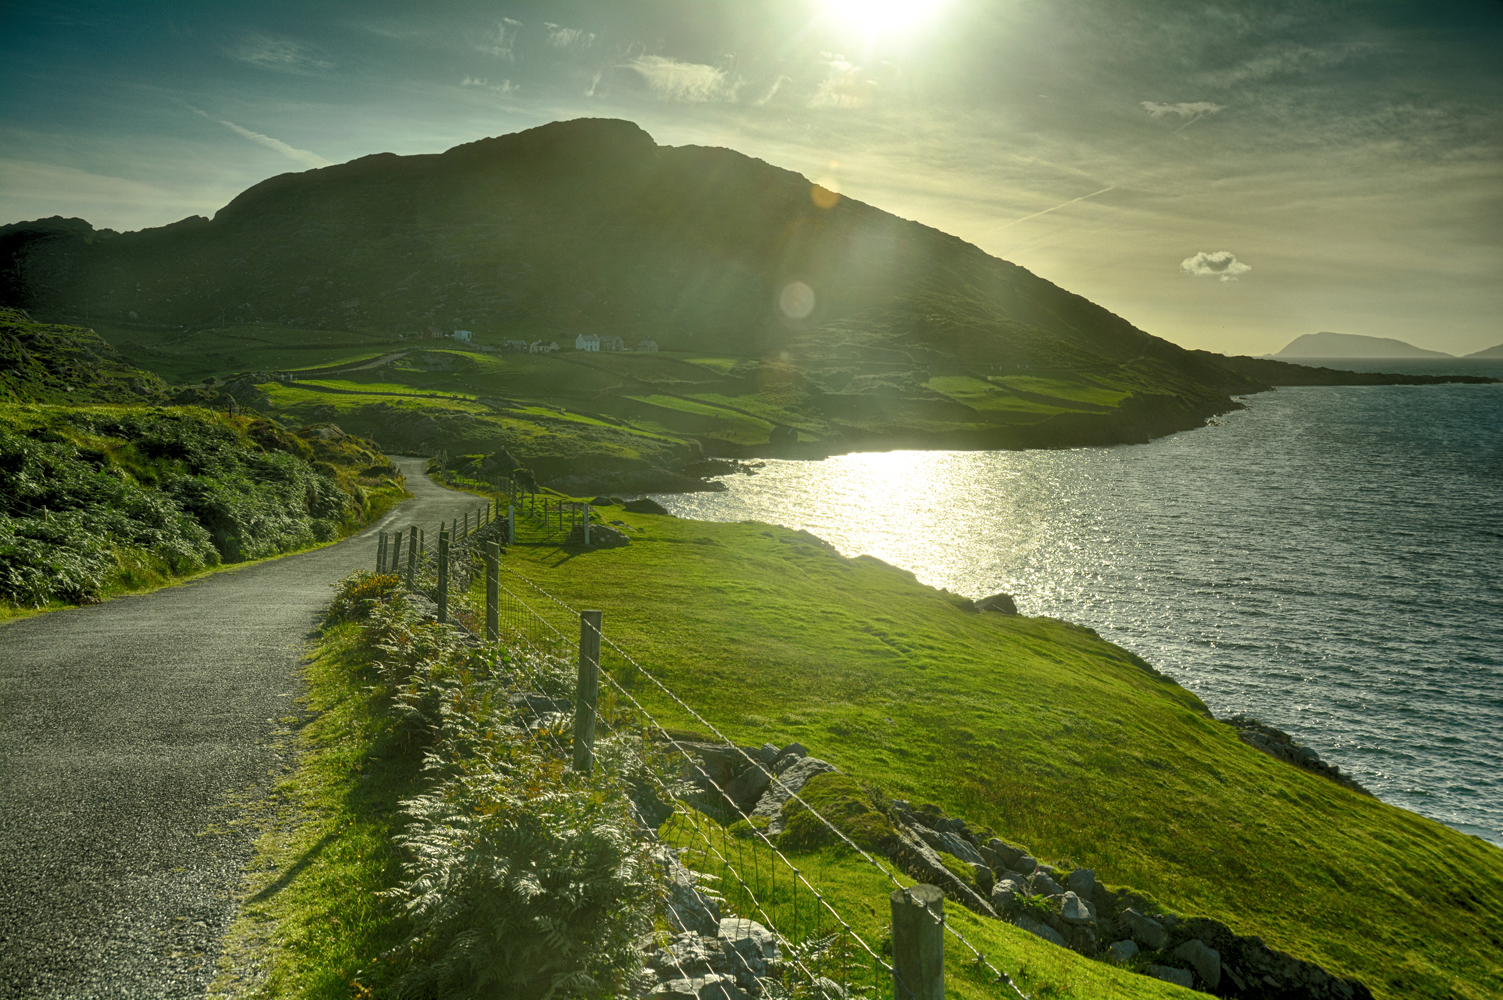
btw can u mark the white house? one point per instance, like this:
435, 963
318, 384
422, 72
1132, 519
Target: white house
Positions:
538, 347
647, 345
587, 342
464, 335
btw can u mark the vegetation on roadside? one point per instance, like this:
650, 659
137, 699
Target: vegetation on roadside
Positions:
102, 500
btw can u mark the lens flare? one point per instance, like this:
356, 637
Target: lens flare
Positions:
824, 194
796, 300
882, 17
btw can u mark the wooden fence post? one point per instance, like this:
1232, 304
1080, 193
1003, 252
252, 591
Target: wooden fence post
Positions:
511, 524
443, 576
587, 525
918, 943
588, 691
381, 553
414, 540
396, 553
492, 591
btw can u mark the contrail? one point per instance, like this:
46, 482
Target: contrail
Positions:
1046, 211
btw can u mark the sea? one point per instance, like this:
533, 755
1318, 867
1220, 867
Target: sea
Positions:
1328, 560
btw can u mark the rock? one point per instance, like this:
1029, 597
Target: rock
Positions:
1041, 884
711, 987
785, 786
1207, 960
1145, 930
1027, 864
691, 955
646, 505
998, 602
957, 845
1082, 882
685, 908
750, 945
1122, 951
602, 536
607, 502
787, 756
984, 878
747, 789
1000, 855
1075, 910
1005, 895
1033, 926
1179, 977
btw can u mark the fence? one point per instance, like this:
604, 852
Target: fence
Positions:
821, 954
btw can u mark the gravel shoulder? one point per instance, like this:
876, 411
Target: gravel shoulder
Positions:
127, 732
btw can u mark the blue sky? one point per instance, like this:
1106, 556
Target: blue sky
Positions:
1226, 175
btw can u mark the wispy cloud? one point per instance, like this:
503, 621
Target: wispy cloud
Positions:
844, 85
1222, 264
504, 87
503, 44
568, 38
672, 80
773, 91
1198, 109
1289, 59
303, 156
280, 54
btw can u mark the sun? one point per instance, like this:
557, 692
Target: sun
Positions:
882, 17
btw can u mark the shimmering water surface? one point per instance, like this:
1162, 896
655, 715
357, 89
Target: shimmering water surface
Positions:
1327, 560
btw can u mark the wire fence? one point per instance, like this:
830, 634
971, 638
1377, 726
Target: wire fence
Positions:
813, 951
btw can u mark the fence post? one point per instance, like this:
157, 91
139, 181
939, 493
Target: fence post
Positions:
443, 576
918, 943
414, 540
396, 552
511, 524
589, 690
381, 553
492, 591
587, 525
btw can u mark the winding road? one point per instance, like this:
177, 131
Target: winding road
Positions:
128, 732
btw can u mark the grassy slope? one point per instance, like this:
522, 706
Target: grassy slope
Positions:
1051, 736
130, 460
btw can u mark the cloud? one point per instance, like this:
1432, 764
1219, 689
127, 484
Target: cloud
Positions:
1290, 59
776, 86
504, 44
303, 156
280, 54
844, 86
672, 80
504, 87
1221, 264
1198, 109
568, 38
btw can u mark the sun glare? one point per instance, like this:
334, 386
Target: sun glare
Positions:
882, 17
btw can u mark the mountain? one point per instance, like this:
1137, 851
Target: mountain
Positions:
1490, 352
1352, 345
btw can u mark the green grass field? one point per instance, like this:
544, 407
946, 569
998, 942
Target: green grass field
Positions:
1045, 733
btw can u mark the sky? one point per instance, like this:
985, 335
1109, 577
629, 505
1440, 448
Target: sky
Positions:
1227, 175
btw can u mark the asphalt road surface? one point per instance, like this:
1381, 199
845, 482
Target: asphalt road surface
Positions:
126, 729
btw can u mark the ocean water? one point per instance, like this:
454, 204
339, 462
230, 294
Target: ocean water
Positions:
1329, 560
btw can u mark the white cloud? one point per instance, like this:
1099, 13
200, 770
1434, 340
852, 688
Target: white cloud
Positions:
1288, 60
844, 86
568, 38
504, 87
280, 54
303, 156
1198, 109
672, 80
1221, 264
776, 86
504, 44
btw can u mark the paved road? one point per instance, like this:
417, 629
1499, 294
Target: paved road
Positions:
124, 729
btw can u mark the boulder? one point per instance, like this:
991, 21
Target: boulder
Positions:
785, 786
1000, 855
957, 845
998, 602
1075, 910
1082, 882
686, 908
1041, 884
1207, 960
1122, 952
787, 756
748, 787
690, 955
766, 753
646, 505
711, 987
750, 946
1145, 930
1044, 931
1179, 977
1005, 895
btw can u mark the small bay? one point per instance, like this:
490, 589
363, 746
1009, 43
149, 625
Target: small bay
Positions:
1329, 560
